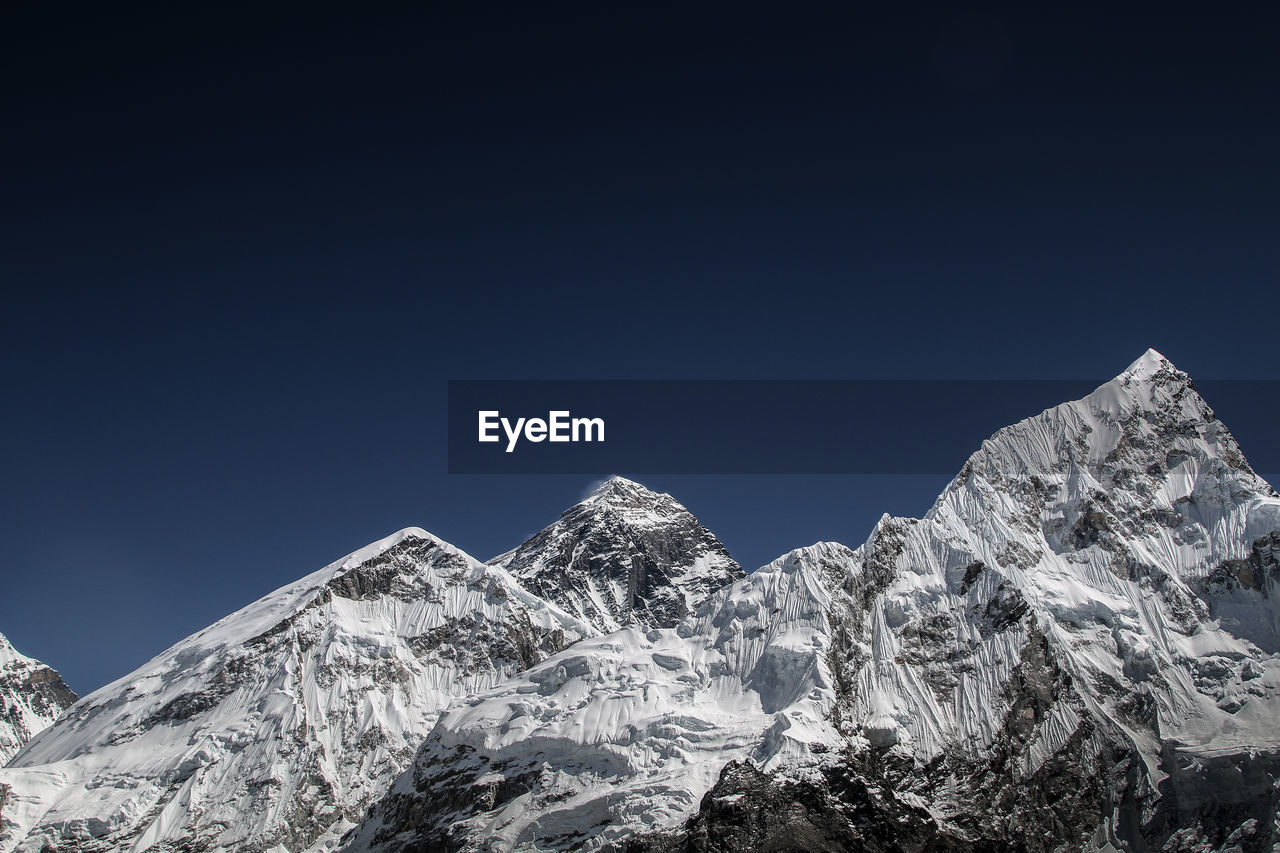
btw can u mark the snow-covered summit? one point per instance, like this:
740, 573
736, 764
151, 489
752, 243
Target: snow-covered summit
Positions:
623, 555
618, 489
1147, 365
32, 696
632, 502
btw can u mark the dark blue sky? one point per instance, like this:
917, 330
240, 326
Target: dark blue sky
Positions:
242, 252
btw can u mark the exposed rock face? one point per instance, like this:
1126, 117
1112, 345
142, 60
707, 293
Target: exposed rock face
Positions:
829, 812
275, 727
32, 696
1072, 650
624, 556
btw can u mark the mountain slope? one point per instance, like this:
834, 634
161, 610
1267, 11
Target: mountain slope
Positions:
280, 722
623, 732
32, 696
624, 555
1074, 649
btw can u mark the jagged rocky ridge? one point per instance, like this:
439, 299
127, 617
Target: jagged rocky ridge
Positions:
275, 727
32, 696
1075, 649
624, 556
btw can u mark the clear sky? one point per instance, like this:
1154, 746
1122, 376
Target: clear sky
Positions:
242, 253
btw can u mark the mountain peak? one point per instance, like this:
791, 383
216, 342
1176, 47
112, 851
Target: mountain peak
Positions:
618, 489
8, 654
632, 504
1148, 364
617, 481
386, 543
1147, 432
32, 696
623, 555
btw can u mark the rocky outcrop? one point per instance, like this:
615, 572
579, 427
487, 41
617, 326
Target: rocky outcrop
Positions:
833, 811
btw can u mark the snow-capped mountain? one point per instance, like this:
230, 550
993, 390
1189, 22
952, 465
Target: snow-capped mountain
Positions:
32, 696
275, 727
625, 555
1074, 649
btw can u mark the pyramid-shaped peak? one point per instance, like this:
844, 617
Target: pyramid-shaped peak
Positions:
629, 500
623, 555
617, 487
1147, 365
1146, 431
